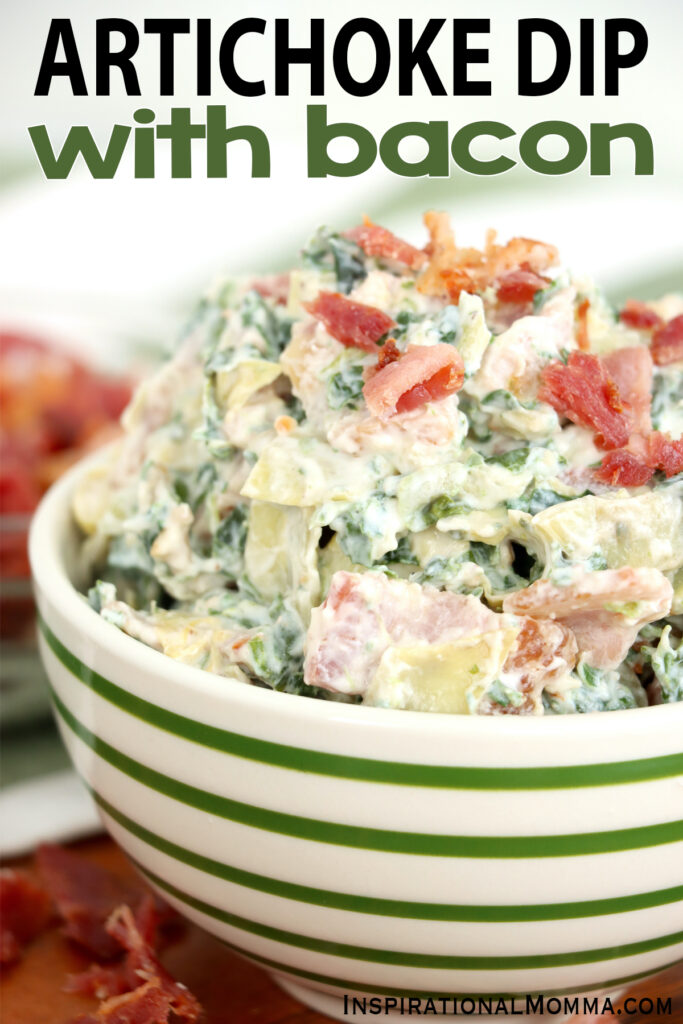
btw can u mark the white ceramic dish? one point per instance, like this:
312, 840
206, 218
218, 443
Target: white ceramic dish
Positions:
359, 850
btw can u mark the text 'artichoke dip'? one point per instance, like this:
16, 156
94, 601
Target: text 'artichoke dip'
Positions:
442, 480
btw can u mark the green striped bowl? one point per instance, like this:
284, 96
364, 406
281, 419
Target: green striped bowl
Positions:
359, 850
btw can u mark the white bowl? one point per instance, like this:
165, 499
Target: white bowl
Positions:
362, 851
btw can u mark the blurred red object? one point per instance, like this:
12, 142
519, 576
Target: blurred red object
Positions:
54, 408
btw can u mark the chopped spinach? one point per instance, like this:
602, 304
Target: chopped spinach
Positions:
230, 539
535, 499
402, 554
442, 507
515, 459
274, 327
667, 664
345, 387
328, 251
211, 430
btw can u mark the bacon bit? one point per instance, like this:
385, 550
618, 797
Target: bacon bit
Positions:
585, 393
519, 287
543, 652
388, 353
284, 425
275, 287
378, 241
637, 314
582, 325
458, 280
667, 342
424, 373
664, 453
631, 370
86, 895
25, 910
452, 270
622, 469
352, 323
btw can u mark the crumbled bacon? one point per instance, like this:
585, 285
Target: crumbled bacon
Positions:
667, 342
519, 286
378, 241
275, 287
585, 393
582, 339
352, 323
25, 909
457, 280
622, 469
637, 314
424, 373
451, 270
664, 453
147, 1004
85, 895
138, 990
388, 353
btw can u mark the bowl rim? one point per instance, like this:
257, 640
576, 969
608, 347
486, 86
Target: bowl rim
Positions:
51, 579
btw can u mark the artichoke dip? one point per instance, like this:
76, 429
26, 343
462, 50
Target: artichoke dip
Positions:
441, 479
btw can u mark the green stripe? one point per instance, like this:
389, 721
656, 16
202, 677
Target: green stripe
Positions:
384, 907
426, 844
433, 961
363, 768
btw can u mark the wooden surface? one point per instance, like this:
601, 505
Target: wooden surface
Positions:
231, 990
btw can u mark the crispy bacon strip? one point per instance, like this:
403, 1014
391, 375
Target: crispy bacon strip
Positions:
424, 373
138, 990
25, 910
352, 323
637, 314
85, 895
451, 270
585, 393
378, 241
667, 342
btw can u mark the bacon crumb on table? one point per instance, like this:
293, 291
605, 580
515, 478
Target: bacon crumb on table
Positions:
352, 323
85, 896
25, 909
232, 990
